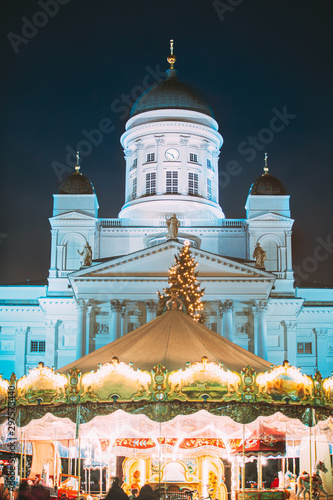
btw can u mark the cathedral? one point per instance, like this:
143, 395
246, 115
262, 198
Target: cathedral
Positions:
105, 273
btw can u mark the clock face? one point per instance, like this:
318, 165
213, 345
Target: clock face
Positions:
172, 154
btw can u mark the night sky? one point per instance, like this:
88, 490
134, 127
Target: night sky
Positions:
90, 60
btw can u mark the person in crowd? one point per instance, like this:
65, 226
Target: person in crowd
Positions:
134, 494
116, 492
24, 491
275, 483
147, 493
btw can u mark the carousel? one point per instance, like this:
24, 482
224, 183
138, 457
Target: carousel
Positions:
175, 405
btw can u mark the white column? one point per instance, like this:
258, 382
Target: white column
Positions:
89, 327
203, 180
115, 326
159, 169
183, 181
321, 349
281, 260
50, 334
290, 341
215, 184
141, 182
151, 308
81, 328
124, 320
289, 263
54, 242
128, 187
226, 308
260, 332
220, 321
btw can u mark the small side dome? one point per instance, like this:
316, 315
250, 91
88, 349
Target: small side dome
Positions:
76, 183
267, 184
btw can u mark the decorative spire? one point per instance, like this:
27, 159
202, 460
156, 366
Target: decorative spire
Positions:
77, 166
172, 58
266, 166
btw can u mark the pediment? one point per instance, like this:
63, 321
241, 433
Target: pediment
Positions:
270, 216
72, 216
156, 261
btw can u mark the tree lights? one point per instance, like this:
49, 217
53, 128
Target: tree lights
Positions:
184, 285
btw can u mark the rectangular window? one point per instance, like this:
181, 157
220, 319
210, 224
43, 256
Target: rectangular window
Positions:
37, 346
193, 157
134, 188
150, 157
151, 183
304, 347
134, 164
209, 189
209, 164
193, 183
172, 182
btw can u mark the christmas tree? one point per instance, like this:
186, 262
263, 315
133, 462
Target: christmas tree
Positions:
184, 285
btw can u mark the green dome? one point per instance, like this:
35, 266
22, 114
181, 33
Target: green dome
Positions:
171, 94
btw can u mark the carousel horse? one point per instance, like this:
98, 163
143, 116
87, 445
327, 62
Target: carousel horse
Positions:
303, 483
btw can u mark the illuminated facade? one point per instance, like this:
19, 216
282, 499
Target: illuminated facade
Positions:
171, 146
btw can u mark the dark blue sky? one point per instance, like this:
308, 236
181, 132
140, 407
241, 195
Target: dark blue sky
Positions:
247, 58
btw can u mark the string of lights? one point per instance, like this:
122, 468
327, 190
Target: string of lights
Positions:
183, 284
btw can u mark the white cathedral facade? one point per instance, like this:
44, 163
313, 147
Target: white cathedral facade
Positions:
171, 146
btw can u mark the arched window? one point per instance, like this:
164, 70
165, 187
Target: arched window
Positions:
271, 250
73, 258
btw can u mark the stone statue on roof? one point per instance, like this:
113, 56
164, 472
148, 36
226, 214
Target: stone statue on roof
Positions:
86, 255
172, 225
260, 255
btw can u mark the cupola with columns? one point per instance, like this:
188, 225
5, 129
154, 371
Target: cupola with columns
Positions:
171, 147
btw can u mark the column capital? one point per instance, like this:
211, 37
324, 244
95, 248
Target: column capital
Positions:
159, 140
225, 306
80, 304
127, 153
260, 306
151, 305
216, 153
123, 309
320, 332
90, 308
290, 325
116, 305
184, 140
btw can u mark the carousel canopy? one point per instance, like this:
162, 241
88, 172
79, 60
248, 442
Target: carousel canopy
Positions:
173, 340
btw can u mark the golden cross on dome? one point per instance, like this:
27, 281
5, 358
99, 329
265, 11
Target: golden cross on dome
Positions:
77, 166
266, 166
172, 58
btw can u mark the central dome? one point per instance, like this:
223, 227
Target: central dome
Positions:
171, 94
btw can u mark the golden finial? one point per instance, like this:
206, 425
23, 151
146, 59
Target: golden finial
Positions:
77, 166
266, 166
172, 58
